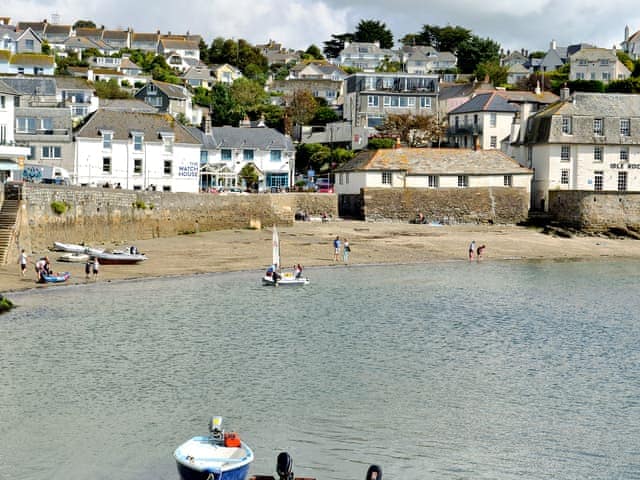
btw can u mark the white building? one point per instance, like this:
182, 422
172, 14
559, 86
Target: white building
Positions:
11, 156
436, 168
600, 64
136, 150
587, 141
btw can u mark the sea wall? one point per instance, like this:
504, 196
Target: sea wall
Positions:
595, 211
447, 205
99, 215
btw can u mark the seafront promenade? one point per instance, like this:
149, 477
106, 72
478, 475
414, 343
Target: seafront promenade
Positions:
310, 243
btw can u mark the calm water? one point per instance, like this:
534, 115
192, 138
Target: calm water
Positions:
445, 371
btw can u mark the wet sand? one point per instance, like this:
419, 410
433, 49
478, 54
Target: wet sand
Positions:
310, 243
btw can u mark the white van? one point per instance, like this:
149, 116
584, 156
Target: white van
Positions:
44, 174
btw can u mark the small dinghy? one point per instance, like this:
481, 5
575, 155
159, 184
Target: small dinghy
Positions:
219, 456
54, 277
74, 257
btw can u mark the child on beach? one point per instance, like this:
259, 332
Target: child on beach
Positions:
23, 260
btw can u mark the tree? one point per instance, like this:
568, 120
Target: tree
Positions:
333, 47
46, 48
204, 51
533, 81
248, 97
301, 108
413, 130
492, 69
84, 24
223, 107
629, 85
313, 53
324, 115
249, 175
386, 65
373, 31
109, 89
476, 50
443, 39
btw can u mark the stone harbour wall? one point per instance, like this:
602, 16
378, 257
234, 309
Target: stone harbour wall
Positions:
450, 206
100, 215
595, 211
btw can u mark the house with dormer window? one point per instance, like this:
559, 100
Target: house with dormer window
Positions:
365, 56
601, 64
226, 150
138, 151
146, 42
170, 98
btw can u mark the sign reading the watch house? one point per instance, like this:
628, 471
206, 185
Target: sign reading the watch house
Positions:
622, 166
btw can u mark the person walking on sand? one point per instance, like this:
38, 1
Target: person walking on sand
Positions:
336, 249
346, 249
480, 251
96, 268
23, 259
87, 269
472, 249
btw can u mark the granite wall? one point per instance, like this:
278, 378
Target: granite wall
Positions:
595, 211
98, 215
447, 205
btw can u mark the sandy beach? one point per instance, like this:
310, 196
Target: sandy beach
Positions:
310, 243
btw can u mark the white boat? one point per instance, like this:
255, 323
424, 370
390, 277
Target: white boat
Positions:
74, 257
219, 456
273, 276
75, 248
119, 258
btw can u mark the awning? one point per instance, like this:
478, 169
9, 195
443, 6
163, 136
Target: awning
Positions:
8, 165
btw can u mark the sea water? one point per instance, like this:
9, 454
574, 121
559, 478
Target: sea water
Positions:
494, 370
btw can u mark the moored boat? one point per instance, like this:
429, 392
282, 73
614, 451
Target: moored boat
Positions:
218, 456
75, 248
74, 257
119, 258
54, 277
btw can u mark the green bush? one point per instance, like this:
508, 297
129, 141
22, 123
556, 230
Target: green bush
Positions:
59, 207
380, 143
140, 204
5, 304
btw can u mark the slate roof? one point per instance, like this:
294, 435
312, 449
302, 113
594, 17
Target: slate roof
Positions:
82, 42
33, 59
120, 35
455, 90
91, 33
122, 123
127, 105
198, 73
72, 83
6, 89
486, 102
600, 104
58, 29
144, 37
242, 137
171, 44
171, 90
595, 54
29, 85
521, 96
436, 161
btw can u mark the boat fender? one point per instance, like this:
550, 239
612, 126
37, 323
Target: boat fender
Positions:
231, 439
374, 473
284, 466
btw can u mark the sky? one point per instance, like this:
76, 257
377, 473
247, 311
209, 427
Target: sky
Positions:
297, 24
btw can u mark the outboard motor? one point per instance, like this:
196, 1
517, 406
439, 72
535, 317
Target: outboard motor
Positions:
374, 473
284, 466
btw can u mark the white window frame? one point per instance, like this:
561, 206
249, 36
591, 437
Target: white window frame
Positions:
564, 176
51, 152
107, 140
508, 181
622, 181
433, 181
493, 141
598, 154
598, 127
565, 153
463, 181
566, 125
387, 178
624, 154
625, 127
373, 101
106, 165
598, 180
493, 119
425, 102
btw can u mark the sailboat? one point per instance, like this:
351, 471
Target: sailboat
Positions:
273, 276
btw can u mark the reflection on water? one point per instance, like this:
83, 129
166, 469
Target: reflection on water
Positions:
448, 371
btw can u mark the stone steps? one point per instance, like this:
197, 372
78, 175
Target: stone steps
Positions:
8, 217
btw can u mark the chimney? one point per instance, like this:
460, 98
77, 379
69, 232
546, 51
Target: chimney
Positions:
245, 122
552, 45
206, 124
564, 93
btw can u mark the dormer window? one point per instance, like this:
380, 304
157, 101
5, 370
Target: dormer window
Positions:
107, 139
138, 139
167, 141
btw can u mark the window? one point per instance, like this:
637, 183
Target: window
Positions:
276, 155
204, 157
107, 138
433, 181
28, 43
565, 153
508, 180
493, 142
167, 141
25, 125
604, 62
51, 152
606, 76
579, 76
597, 126
106, 165
373, 100
624, 154
622, 181
247, 155
598, 181
564, 176
3, 134
3, 102
425, 102
386, 178
137, 143
225, 155
346, 178
566, 125
46, 124
463, 181
625, 127
137, 166
493, 119
168, 166
597, 154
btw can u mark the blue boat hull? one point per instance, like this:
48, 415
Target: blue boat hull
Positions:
187, 473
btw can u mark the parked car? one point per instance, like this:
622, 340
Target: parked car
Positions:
323, 185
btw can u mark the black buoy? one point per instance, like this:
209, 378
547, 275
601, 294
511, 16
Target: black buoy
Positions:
284, 466
374, 473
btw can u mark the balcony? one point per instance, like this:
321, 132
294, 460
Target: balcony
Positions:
464, 130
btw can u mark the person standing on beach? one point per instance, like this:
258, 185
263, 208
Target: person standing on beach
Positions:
472, 249
96, 268
346, 249
23, 260
336, 249
87, 269
480, 251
